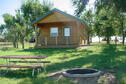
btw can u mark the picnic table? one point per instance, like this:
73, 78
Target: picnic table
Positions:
23, 57
34, 64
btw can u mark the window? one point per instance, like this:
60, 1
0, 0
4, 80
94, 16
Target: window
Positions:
54, 32
66, 31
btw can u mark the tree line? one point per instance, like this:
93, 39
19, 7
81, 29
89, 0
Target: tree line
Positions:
106, 20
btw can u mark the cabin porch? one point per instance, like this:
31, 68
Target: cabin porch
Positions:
59, 34
55, 42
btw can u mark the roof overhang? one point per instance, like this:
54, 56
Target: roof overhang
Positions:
61, 12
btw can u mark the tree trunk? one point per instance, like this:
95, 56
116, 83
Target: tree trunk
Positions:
17, 44
22, 43
15, 41
37, 32
108, 35
122, 30
108, 40
14, 44
123, 40
116, 40
88, 40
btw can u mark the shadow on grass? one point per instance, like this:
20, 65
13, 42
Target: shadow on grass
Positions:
45, 80
47, 52
106, 60
75, 53
17, 73
110, 58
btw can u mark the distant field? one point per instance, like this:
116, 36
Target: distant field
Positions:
6, 44
110, 58
9, 44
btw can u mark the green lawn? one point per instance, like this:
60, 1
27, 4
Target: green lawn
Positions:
111, 58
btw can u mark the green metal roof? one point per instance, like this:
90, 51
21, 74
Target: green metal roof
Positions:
59, 11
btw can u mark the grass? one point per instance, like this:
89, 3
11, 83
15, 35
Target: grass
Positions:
110, 58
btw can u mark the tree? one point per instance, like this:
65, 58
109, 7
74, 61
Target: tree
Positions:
117, 7
18, 28
107, 21
122, 29
2, 29
80, 6
119, 4
98, 29
88, 16
32, 9
11, 31
21, 26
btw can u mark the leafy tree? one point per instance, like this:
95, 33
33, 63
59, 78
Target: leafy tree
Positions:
21, 26
32, 9
88, 16
2, 29
119, 4
122, 29
110, 19
80, 6
98, 28
18, 28
107, 21
11, 32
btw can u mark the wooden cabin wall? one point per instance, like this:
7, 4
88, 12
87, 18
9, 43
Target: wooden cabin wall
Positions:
82, 33
78, 32
45, 32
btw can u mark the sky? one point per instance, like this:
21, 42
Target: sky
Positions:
9, 6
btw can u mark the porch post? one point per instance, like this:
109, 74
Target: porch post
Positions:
46, 41
84, 41
36, 37
67, 38
56, 40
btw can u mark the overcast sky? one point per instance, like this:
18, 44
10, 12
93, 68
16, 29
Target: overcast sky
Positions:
9, 6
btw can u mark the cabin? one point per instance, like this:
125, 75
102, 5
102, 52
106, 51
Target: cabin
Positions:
58, 29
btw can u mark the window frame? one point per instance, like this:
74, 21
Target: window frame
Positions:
69, 31
51, 32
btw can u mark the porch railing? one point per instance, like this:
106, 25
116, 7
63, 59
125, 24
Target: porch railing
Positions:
62, 40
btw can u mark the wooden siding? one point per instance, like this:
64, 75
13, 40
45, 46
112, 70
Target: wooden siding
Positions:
77, 37
56, 17
61, 39
81, 33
